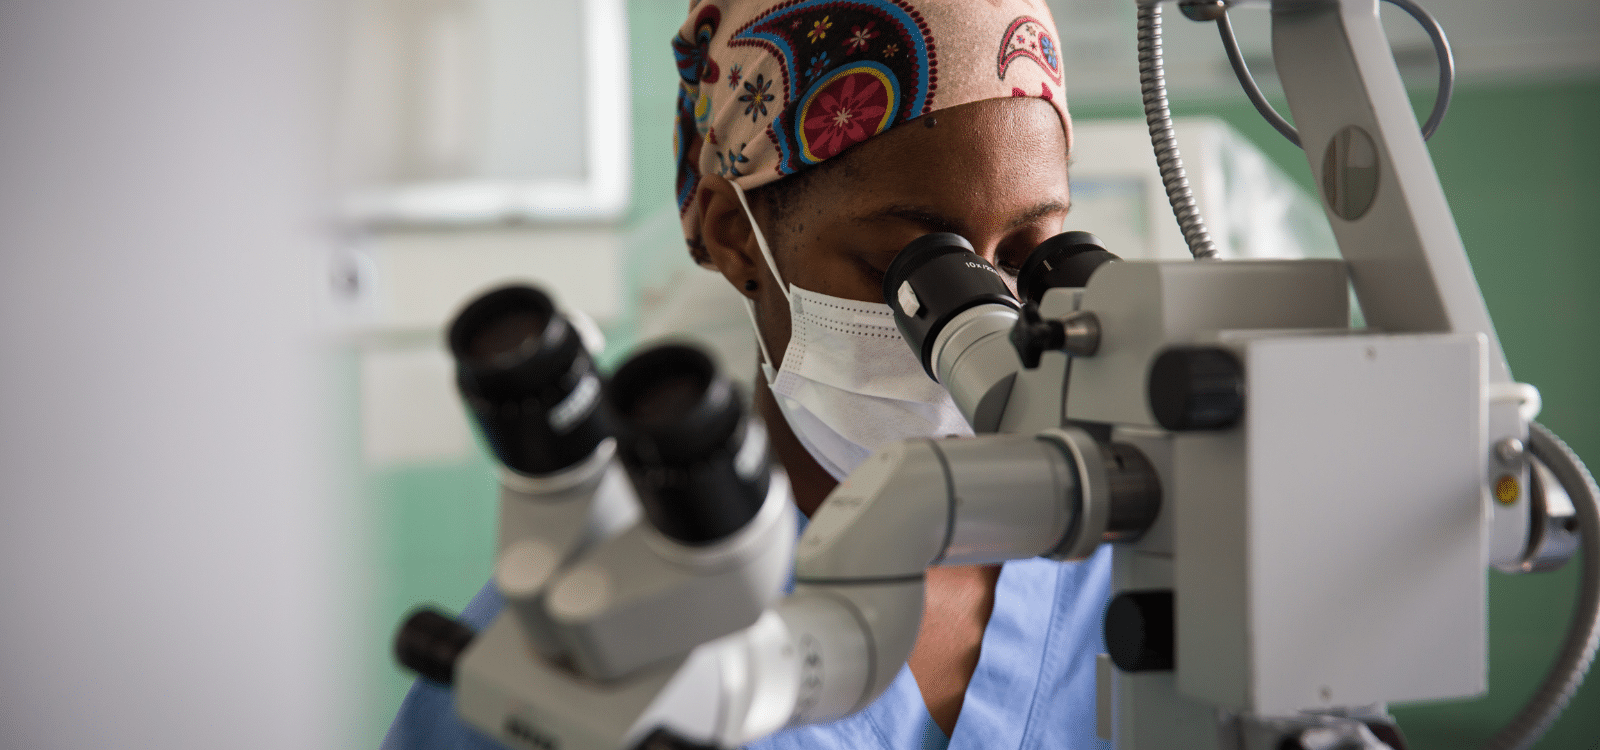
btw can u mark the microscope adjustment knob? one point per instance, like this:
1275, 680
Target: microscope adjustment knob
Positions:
430, 642
1032, 335
1196, 388
1139, 631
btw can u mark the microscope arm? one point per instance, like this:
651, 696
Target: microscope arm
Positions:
1381, 192
837, 643
1388, 210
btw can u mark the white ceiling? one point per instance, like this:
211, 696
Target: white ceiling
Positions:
1493, 41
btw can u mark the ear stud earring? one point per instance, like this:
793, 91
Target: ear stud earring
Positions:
750, 285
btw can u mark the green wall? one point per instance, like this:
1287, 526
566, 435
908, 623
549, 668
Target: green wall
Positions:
1517, 162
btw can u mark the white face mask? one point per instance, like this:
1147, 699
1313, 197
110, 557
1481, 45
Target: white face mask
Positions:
849, 384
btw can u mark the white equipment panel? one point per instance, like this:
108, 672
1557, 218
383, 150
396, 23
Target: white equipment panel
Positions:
1274, 613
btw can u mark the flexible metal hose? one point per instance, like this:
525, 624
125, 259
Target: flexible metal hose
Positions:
1153, 86
1578, 647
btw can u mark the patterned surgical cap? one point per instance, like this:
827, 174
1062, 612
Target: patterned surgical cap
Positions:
770, 87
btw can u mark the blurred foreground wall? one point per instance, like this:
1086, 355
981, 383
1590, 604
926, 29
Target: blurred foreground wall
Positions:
174, 555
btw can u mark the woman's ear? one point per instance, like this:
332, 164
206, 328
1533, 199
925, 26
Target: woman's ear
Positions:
726, 234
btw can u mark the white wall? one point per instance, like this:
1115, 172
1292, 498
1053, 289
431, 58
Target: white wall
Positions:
171, 565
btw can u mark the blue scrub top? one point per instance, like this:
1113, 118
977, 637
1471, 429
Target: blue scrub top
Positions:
1033, 688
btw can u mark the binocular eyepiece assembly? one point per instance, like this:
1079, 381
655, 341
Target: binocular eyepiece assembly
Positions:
536, 394
668, 435
970, 331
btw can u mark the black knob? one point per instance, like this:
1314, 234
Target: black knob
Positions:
1292, 742
1139, 631
1204, 10
1032, 335
1196, 388
430, 642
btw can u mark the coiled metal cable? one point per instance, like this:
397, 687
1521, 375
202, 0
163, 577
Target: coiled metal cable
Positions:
1583, 633
1157, 113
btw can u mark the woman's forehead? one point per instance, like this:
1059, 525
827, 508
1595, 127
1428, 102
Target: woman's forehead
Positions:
1019, 139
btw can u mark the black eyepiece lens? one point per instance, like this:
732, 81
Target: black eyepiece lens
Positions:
529, 382
1065, 260
669, 400
682, 433
935, 278
673, 399
507, 327
505, 340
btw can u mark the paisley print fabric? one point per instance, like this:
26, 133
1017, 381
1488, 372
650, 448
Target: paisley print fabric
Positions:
1033, 39
768, 88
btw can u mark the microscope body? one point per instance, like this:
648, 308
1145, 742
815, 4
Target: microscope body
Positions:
1322, 543
1324, 535
1331, 498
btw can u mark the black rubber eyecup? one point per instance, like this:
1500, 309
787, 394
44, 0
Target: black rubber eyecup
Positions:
1065, 260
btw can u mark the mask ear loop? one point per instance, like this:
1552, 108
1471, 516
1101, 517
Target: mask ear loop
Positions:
767, 367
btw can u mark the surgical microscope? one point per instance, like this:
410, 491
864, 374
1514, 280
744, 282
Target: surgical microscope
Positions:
1301, 512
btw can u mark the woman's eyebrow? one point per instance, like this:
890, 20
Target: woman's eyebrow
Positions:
934, 221
1039, 211
923, 216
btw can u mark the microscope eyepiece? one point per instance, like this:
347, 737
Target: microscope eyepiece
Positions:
698, 462
507, 339
1065, 260
681, 402
934, 279
528, 380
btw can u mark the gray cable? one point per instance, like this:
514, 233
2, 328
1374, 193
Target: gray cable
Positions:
1153, 86
1242, 72
1441, 48
1447, 63
1583, 633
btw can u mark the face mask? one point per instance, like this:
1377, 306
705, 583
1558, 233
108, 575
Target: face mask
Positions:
849, 384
